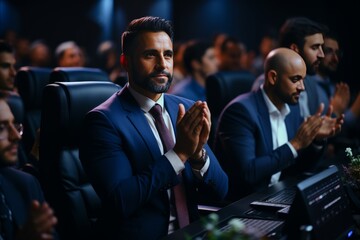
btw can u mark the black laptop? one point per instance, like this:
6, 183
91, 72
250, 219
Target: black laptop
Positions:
319, 201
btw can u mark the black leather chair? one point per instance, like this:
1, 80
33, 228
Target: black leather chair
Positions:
77, 74
64, 181
221, 88
30, 82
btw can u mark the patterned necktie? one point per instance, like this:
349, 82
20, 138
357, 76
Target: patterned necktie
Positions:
6, 224
168, 143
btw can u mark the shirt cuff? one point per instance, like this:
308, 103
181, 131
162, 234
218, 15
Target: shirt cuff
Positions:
175, 161
294, 152
200, 173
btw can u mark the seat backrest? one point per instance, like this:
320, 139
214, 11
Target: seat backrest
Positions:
30, 82
77, 74
64, 181
221, 88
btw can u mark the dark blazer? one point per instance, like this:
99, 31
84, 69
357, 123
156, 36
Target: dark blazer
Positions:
19, 189
124, 163
244, 145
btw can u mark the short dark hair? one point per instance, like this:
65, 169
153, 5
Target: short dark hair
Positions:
294, 30
5, 47
195, 51
144, 24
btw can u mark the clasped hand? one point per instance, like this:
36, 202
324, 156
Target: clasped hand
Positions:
193, 129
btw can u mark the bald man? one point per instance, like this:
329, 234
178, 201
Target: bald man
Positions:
261, 135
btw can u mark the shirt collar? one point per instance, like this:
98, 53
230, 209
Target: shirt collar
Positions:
146, 103
271, 107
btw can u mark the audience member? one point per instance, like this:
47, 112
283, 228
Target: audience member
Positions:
137, 167
180, 72
261, 135
306, 38
7, 67
19, 190
231, 55
108, 61
21, 50
268, 42
68, 54
327, 88
200, 62
39, 54
218, 40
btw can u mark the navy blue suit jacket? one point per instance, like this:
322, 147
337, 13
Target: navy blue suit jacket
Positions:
244, 145
19, 190
124, 163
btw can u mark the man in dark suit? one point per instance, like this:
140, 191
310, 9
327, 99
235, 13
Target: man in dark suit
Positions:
19, 190
123, 150
261, 135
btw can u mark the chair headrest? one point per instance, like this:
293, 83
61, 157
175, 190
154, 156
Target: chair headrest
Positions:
66, 104
77, 74
30, 82
223, 86
16, 106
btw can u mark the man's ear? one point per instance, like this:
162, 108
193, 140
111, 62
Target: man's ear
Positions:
124, 61
294, 47
272, 77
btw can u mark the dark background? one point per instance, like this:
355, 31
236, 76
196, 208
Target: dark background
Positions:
88, 22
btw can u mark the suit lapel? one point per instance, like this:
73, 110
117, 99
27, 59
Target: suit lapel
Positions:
292, 121
138, 121
172, 108
264, 119
14, 201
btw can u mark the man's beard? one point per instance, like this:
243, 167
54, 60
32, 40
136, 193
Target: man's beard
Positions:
148, 84
7, 163
328, 71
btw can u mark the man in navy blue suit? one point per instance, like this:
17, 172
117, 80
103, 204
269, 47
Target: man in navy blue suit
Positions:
122, 150
19, 191
261, 135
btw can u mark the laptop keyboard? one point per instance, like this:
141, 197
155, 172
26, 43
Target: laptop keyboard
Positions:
261, 225
285, 196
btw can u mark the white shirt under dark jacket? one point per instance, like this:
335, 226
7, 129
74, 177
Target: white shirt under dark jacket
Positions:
278, 130
146, 104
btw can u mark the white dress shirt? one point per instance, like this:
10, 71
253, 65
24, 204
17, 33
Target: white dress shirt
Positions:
278, 130
146, 104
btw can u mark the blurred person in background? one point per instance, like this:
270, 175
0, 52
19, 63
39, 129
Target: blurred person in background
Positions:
7, 67
40, 54
68, 54
199, 61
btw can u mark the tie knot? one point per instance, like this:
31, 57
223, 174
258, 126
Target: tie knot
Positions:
156, 111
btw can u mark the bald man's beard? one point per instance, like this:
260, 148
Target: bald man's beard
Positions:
285, 97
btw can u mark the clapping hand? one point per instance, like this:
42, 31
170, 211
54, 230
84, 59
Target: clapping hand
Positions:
330, 125
40, 224
193, 128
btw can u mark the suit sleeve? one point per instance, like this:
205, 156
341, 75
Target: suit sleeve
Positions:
120, 181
